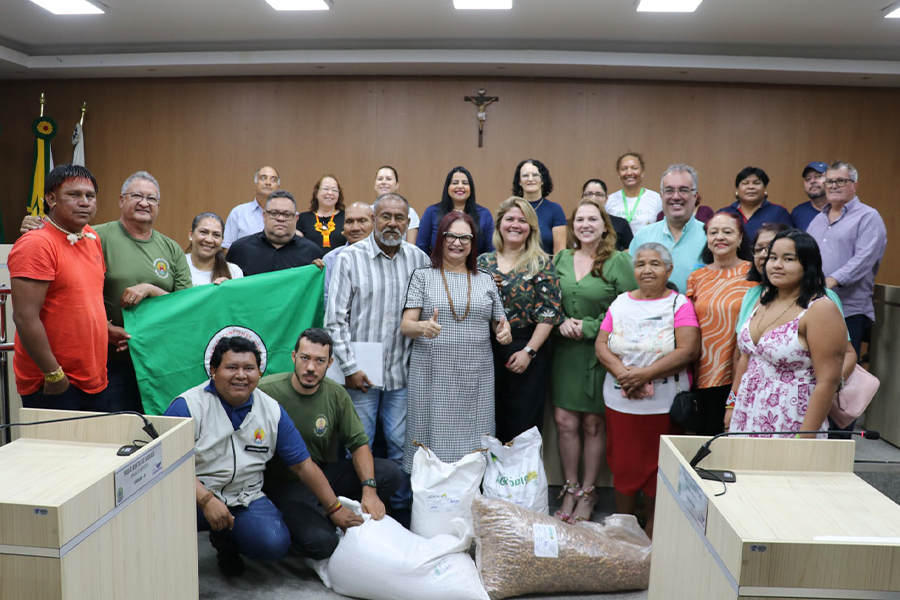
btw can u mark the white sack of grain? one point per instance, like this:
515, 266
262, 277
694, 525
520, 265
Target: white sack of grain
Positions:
382, 560
443, 492
515, 471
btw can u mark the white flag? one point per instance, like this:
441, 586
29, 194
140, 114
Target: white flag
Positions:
78, 142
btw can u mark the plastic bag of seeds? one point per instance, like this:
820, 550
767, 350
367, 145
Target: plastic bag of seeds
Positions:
522, 552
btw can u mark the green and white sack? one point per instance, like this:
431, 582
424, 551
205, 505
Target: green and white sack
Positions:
515, 472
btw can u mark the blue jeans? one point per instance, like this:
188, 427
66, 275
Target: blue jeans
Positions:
259, 531
391, 407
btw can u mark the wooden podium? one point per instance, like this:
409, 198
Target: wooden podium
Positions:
796, 523
78, 522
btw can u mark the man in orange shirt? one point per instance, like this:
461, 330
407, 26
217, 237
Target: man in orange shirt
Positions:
56, 275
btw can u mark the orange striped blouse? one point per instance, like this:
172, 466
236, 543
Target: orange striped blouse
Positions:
717, 295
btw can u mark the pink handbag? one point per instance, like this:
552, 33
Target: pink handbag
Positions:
851, 401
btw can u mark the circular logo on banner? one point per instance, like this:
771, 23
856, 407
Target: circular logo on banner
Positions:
232, 331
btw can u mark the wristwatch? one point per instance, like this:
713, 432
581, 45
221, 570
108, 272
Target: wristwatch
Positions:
530, 351
369, 483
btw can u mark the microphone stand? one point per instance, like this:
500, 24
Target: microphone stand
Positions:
148, 427
704, 450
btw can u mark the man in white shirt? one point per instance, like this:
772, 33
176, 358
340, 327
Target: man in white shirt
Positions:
247, 218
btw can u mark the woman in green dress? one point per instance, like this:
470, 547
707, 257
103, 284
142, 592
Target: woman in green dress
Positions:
592, 273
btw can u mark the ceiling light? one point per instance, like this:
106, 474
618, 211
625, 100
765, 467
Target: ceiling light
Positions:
301, 4
482, 4
894, 14
668, 5
69, 7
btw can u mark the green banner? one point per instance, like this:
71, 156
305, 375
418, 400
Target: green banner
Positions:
173, 336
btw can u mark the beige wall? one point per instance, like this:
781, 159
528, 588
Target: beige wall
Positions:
204, 138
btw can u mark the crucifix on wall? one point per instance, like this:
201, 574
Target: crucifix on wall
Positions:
481, 101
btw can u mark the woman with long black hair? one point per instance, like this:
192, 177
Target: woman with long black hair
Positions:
458, 195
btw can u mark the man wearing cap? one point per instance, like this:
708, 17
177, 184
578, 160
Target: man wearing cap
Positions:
814, 184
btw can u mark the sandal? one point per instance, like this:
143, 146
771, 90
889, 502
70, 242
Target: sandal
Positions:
587, 495
573, 489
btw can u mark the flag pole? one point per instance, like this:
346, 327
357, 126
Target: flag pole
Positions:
83, 110
42, 104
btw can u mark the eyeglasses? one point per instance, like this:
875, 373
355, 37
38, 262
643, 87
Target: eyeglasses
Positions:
530, 176
136, 197
387, 217
840, 182
682, 191
277, 214
464, 239
594, 195
329, 189
760, 250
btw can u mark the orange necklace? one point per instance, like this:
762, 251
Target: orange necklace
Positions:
325, 229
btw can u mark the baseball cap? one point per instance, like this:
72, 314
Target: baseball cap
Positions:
818, 167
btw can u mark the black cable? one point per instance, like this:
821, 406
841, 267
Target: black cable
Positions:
717, 478
148, 426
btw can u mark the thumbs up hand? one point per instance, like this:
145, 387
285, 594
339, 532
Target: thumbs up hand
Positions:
430, 328
503, 332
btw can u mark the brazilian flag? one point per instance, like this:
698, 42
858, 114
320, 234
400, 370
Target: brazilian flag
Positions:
173, 336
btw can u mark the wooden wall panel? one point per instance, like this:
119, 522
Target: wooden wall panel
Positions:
204, 137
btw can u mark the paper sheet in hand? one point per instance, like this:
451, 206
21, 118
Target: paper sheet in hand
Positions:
369, 358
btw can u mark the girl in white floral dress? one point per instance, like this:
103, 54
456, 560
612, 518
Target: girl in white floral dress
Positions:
792, 347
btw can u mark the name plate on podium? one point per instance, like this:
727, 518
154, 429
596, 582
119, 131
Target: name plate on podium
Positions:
136, 474
693, 498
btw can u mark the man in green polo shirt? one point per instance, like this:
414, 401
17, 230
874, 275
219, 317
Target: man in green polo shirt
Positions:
327, 421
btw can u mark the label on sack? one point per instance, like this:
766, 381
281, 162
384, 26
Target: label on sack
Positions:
441, 503
546, 542
514, 481
442, 566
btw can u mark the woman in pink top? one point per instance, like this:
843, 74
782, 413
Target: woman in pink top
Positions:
646, 342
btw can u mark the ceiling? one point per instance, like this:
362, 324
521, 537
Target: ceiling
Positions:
831, 42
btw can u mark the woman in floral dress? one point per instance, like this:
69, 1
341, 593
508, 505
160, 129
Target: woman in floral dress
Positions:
529, 288
794, 345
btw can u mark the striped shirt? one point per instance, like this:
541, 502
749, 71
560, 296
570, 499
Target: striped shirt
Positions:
365, 304
852, 247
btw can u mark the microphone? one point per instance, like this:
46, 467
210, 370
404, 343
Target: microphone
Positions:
704, 450
148, 427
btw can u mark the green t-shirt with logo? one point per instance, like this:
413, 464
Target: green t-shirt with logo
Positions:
130, 261
325, 420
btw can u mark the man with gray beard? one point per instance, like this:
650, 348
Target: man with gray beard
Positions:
365, 304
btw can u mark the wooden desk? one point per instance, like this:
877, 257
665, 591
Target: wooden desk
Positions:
797, 523
67, 532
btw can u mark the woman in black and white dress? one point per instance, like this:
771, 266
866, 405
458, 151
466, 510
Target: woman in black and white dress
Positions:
451, 311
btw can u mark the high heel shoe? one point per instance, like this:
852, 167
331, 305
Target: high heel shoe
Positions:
570, 488
588, 496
